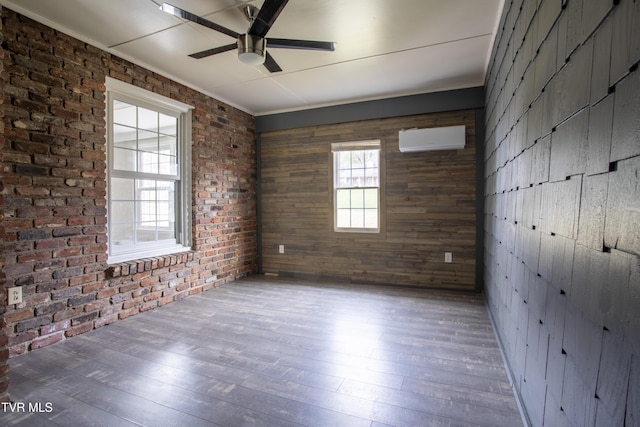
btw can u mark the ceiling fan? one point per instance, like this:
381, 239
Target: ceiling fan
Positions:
252, 46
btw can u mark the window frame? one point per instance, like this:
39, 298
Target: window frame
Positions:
117, 90
338, 147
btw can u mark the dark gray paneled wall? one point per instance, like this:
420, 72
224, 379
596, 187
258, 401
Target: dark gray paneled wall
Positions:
562, 207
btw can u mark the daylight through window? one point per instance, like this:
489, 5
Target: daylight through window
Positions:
356, 186
149, 179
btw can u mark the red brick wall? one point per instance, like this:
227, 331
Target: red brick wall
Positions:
4, 352
53, 163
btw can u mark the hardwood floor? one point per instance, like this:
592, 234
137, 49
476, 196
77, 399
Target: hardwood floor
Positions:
276, 352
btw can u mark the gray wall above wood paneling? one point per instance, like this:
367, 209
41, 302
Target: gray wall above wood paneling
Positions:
435, 102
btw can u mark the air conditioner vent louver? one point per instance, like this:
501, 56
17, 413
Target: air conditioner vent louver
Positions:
429, 139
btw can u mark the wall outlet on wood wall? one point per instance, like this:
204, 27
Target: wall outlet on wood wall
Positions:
280, 249
448, 257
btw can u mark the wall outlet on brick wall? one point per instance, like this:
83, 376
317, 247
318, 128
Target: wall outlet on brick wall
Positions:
15, 295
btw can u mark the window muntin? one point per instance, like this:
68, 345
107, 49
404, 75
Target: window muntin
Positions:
148, 174
356, 186
144, 140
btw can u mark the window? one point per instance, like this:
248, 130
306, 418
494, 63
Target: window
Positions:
356, 184
149, 174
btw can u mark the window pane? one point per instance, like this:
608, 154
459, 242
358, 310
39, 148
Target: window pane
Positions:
168, 145
168, 186
157, 203
122, 189
374, 180
371, 177
147, 119
344, 159
168, 165
343, 218
121, 235
122, 213
124, 114
145, 184
164, 216
357, 159
146, 208
146, 231
124, 136
371, 218
168, 125
148, 162
147, 141
372, 158
357, 218
357, 199
344, 178
165, 234
124, 159
371, 198
343, 199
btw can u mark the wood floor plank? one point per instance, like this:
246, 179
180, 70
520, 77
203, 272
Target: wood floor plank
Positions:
278, 352
445, 407
461, 394
66, 410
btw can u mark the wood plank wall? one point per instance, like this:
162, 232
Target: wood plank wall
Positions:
428, 204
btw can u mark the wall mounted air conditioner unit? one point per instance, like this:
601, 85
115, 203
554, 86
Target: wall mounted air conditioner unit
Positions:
429, 139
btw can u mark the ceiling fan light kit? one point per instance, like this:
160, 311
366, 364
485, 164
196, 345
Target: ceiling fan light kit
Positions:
252, 50
252, 46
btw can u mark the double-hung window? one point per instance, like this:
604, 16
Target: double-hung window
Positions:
356, 186
149, 174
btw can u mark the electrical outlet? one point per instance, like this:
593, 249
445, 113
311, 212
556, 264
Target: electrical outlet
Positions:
280, 249
15, 295
448, 257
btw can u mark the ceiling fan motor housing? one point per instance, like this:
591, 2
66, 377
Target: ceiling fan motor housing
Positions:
252, 49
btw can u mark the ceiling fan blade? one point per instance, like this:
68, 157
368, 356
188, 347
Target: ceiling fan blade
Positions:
214, 51
174, 10
271, 64
301, 44
266, 17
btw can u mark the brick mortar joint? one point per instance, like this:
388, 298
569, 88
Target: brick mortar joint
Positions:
129, 268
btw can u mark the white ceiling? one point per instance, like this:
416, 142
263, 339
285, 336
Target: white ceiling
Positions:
384, 48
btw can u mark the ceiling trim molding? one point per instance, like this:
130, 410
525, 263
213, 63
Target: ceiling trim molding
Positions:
434, 102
